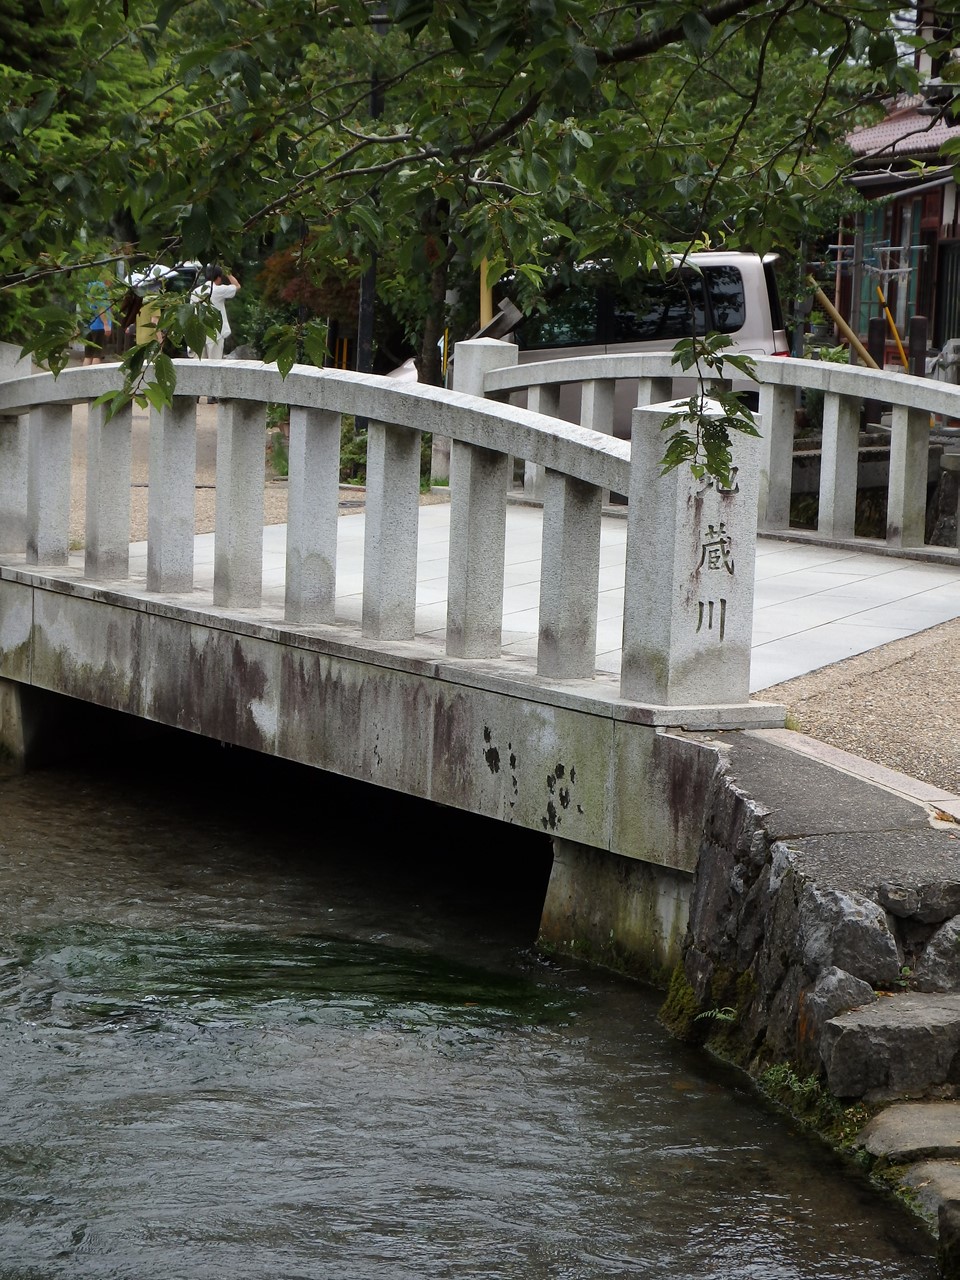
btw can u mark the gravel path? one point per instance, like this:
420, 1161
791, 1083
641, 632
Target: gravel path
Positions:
274, 489
898, 705
274, 492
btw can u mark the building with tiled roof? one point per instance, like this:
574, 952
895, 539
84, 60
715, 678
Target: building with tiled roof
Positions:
912, 128
906, 243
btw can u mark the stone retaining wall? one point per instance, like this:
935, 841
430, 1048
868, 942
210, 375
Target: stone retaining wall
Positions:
849, 996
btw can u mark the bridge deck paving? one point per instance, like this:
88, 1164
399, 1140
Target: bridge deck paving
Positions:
813, 605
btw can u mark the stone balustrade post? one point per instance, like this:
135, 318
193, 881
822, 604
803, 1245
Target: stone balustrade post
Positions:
13, 483
540, 399
107, 536
171, 496
597, 402
313, 508
50, 454
909, 461
569, 578
13, 459
653, 391
778, 413
238, 542
478, 511
839, 458
688, 598
391, 533
473, 360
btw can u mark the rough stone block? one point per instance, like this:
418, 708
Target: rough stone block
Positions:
938, 969
911, 1131
903, 1046
928, 903
834, 992
934, 1183
848, 931
948, 1229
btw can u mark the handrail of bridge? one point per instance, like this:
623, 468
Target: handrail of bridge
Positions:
709, 665
913, 403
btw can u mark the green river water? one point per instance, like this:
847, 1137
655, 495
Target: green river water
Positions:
256, 1024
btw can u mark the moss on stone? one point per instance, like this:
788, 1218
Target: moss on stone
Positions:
616, 958
678, 1012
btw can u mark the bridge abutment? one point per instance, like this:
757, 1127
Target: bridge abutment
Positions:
13, 734
616, 912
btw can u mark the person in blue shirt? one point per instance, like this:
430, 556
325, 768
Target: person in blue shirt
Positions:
99, 321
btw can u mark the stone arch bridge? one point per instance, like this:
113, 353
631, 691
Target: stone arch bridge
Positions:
360, 678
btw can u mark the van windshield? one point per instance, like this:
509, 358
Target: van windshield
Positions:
593, 309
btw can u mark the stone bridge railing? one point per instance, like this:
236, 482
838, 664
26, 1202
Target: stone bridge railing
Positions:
688, 590
851, 397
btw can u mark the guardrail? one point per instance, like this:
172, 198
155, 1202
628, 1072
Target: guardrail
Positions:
703, 661
850, 394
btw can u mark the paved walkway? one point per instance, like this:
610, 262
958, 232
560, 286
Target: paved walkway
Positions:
813, 605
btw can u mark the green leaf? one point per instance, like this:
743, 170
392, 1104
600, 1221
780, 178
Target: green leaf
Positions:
41, 105
195, 230
463, 34
250, 74
315, 342
585, 60
883, 50
280, 344
222, 64
194, 332
157, 397
365, 218
165, 374
697, 31
286, 358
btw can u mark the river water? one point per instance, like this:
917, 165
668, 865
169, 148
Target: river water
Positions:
256, 1024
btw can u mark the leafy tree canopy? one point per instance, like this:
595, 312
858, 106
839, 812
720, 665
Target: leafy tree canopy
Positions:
436, 134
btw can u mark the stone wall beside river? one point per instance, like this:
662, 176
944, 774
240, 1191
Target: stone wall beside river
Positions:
822, 953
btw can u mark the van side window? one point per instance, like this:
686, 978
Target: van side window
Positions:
571, 321
645, 310
592, 309
571, 316
728, 302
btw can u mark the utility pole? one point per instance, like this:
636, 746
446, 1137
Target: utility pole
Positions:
368, 281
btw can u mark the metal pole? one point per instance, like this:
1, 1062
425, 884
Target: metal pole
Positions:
368, 281
365, 314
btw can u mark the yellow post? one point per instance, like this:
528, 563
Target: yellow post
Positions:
486, 296
893, 328
845, 330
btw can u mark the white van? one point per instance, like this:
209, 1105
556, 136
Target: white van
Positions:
713, 292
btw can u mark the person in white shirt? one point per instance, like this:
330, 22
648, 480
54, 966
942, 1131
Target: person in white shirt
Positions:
218, 286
